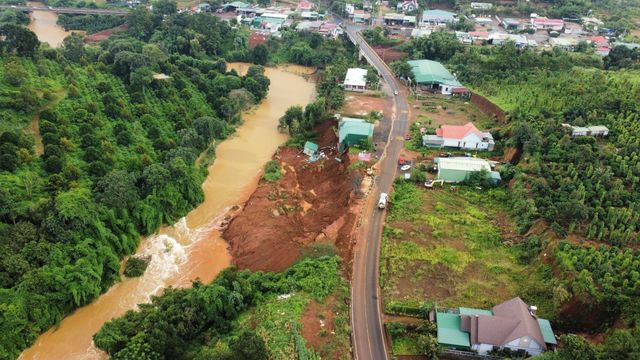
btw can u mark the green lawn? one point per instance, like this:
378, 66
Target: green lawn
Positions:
447, 248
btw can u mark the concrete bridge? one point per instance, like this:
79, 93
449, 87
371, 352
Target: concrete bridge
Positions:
63, 10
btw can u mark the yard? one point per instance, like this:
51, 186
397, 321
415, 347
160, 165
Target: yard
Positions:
360, 105
435, 110
448, 248
296, 325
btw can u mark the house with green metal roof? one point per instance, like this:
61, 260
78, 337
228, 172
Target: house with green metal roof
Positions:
353, 133
437, 17
429, 74
511, 325
450, 334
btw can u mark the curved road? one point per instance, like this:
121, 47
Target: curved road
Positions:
366, 312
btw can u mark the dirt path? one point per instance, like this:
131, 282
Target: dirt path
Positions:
34, 126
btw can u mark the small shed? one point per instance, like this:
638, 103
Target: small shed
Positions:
310, 148
352, 132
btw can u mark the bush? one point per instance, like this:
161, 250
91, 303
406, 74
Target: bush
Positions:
136, 266
272, 171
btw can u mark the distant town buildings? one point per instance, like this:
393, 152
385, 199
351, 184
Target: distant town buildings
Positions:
305, 5
407, 6
393, 19
481, 6
543, 23
437, 18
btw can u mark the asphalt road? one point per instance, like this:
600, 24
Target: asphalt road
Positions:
366, 312
61, 10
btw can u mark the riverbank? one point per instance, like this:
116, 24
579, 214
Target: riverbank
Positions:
192, 248
310, 208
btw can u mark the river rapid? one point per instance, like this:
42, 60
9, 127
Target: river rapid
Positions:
193, 247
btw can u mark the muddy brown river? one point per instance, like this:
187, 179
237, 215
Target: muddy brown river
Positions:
44, 25
192, 248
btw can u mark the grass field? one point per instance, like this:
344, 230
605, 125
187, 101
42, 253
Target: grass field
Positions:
447, 248
322, 326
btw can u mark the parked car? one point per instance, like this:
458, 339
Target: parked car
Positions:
405, 167
401, 161
407, 137
382, 202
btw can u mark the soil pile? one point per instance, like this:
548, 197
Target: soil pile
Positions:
311, 203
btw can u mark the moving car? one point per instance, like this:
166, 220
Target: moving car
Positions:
395, 92
382, 202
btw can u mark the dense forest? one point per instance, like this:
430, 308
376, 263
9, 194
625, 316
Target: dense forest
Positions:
207, 321
115, 154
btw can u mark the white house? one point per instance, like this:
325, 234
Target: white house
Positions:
356, 80
461, 136
481, 6
407, 6
349, 8
543, 23
597, 130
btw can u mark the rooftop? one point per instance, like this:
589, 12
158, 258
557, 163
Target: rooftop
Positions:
449, 330
437, 14
458, 131
431, 72
356, 77
463, 163
353, 126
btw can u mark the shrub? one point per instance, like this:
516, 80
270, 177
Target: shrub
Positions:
136, 266
272, 171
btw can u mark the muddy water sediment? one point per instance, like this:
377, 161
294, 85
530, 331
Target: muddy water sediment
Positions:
45, 25
192, 248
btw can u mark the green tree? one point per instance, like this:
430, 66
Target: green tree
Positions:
260, 54
73, 47
18, 39
576, 347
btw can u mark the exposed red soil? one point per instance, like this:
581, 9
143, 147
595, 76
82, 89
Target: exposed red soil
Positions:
362, 105
488, 108
104, 35
257, 37
317, 324
311, 203
389, 54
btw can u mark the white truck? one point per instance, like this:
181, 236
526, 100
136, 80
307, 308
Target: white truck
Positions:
382, 202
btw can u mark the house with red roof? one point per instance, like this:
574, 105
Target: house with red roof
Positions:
305, 5
466, 137
543, 23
